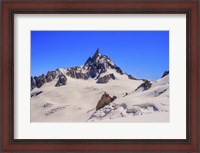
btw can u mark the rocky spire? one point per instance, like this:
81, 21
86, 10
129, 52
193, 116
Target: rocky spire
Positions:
97, 54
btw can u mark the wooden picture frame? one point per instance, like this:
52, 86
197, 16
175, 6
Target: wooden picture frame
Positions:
10, 7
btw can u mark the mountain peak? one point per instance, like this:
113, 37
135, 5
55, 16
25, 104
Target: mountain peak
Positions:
96, 55
94, 67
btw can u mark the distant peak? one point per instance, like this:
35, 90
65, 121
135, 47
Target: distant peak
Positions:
165, 73
97, 54
97, 51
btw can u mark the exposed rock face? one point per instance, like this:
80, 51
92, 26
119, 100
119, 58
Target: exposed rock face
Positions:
105, 100
131, 77
33, 83
62, 80
76, 72
165, 73
144, 86
40, 80
34, 94
99, 64
106, 78
119, 70
50, 76
96, 55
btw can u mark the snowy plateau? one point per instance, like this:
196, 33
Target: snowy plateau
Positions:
98, 91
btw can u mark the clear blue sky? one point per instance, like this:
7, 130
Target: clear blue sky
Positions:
144, 54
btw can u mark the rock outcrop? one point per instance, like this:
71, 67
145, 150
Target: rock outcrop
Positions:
34, 94
165, 73
106, 78
76, 72
50, 76
105, 100
131, 77
144, 86
40, 80
33, 83
62, 80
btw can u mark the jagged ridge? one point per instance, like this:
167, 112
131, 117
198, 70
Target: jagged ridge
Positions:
93, 68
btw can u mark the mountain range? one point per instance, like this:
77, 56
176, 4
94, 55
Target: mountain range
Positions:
95, 67
98, 91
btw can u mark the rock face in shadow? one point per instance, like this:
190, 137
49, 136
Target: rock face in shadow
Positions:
76, 72
62, 80
40, 80
106, 78
50, 76
131, 77
105, 100
33, 83
144, 86
165, 73
34, 94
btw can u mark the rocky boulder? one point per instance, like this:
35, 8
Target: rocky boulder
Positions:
105, 100
62, 80
165, 73
144, 86
106, 78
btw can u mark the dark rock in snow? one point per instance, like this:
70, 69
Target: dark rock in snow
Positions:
125, 94
89, 60
93, 71
34, 94
144, 86
75, 72
47, 105
40, 81
105, 100
33, 83
50, 76
62, 80
106, 78
96, 55
119, 70
165, 73
82, 76
161, 92
131, 77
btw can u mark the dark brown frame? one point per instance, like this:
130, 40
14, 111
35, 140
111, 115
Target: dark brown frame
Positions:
11, 7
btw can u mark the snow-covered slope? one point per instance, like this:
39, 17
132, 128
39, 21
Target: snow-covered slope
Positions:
138, 103
76, 97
